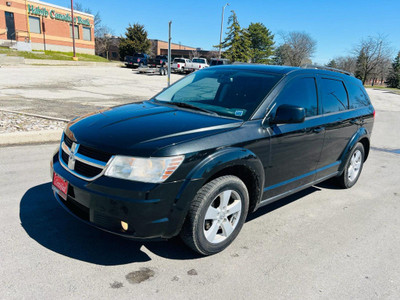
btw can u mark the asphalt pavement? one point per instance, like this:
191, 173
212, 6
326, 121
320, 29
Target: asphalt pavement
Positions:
321, 243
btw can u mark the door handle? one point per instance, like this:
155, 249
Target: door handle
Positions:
318, 129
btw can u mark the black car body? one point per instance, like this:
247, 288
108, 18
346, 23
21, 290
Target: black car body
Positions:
301, 129
157, 62
137, 60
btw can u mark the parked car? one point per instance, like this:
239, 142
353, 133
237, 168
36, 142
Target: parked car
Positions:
219, 61
160, 62
196, 64
137, 60
199, 156
179, 65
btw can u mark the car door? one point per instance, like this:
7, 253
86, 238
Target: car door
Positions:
340, 125
294, 148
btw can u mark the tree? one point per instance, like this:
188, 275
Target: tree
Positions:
346, 63
371, 53
98, 27
105, 40
297, 49
135, 41
261, 43
394, 73
332, 64
237, 42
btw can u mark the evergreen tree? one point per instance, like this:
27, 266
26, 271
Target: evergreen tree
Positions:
237, 42
394, 75
332, 64
135, 41
261, 43
362, 66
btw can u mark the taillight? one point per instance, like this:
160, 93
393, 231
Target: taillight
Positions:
199, 66
179, 66
138, 60
374, 113
160, 62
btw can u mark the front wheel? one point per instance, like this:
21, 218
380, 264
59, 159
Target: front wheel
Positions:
216, 215
353, 167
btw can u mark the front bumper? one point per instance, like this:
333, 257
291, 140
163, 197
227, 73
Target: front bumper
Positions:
150, 210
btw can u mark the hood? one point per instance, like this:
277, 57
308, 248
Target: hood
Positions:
142, 128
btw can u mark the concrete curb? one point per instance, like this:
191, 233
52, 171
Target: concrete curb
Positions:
30, 137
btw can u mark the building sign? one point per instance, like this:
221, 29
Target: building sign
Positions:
37, 11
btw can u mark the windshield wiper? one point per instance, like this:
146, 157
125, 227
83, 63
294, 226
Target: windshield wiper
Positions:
187, 105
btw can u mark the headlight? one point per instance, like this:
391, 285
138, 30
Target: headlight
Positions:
154, 170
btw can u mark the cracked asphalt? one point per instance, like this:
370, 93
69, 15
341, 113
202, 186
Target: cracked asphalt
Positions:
321, 243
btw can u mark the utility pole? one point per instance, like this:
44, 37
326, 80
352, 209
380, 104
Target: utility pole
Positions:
73, 30
222, 24
169, 53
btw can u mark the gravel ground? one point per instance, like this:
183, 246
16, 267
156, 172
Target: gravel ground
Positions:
12, 122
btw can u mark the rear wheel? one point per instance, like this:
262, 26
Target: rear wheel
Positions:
353, 167
216, 215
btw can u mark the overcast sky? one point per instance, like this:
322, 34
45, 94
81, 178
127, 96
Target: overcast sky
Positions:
336, 25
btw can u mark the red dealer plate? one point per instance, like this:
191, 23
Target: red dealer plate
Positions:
61, 184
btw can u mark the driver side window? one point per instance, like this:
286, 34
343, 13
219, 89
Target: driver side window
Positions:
300, 92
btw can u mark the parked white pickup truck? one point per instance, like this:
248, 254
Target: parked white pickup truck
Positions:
179, 65
196, 64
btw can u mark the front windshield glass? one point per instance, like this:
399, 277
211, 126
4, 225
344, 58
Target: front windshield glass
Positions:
228, 92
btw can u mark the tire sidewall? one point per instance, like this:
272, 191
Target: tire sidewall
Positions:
236, 185
347, 182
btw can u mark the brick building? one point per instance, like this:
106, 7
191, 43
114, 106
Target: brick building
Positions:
37, 25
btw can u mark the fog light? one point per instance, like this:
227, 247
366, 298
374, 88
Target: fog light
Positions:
124, 225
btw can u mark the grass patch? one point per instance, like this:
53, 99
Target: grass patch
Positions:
384, 88
54, 55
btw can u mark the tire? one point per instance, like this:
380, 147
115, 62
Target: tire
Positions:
216, 215
353, 167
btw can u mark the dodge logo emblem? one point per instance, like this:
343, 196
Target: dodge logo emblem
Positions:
71, 159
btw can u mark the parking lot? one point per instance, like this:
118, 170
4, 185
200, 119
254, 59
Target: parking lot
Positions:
323, 242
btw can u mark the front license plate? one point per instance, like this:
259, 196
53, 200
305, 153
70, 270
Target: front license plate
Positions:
61, 184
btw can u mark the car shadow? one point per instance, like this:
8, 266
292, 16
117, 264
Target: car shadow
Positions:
45, 221
282, 202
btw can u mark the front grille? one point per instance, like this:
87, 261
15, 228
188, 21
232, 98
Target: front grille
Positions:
93, 153
86, 170
78, 209
82, 161
67, 141
64, 156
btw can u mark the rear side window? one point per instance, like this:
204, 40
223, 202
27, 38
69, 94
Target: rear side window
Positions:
301, 92
357, 97
334, 96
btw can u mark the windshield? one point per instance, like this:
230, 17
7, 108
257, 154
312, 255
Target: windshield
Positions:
228, 92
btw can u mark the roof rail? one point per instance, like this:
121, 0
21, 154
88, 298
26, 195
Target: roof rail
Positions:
308, 66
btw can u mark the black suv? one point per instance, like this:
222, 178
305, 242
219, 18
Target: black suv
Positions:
218, 144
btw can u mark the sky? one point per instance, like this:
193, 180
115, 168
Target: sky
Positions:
337, 25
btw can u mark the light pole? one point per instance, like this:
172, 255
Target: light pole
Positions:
73, 29
222, 24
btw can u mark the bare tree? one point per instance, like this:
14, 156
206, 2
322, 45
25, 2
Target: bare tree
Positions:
372, 53
105, 41
297, 49
346, 63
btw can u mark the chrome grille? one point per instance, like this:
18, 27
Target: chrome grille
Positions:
83, 162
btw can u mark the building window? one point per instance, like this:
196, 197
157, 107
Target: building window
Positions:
76, 31
34, 25
87, 33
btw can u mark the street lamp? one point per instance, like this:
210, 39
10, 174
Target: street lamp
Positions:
73, 30
222, 23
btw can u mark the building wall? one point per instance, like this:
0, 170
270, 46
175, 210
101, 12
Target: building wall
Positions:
158, 46
55, 33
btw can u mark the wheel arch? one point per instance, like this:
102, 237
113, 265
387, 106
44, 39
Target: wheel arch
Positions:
361, 136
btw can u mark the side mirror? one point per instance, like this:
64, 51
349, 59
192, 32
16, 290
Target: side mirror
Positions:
288, 114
